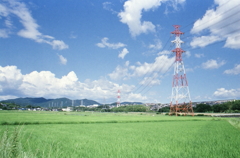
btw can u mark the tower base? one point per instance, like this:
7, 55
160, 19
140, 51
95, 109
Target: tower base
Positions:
181, 109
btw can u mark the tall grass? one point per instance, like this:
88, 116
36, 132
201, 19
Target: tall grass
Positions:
10, 145
15, 144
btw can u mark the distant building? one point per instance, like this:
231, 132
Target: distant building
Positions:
93, 106
67, 109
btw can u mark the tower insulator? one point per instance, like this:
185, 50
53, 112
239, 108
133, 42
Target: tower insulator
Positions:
180, 100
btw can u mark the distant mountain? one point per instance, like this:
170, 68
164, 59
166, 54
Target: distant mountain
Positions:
59, 102
132, 103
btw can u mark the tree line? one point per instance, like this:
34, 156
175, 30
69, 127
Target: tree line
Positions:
106, 108
227, 107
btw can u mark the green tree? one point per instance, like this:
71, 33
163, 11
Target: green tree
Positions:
29, 106
164, 109
203, 108
220, 107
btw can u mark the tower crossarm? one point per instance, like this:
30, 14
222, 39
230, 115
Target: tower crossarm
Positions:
177, 32
178, 52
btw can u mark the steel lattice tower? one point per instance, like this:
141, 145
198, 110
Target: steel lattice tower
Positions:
118, 98
180, 100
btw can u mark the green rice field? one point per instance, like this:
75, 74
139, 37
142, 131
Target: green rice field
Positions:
116, 135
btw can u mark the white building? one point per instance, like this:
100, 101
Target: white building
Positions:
67, 109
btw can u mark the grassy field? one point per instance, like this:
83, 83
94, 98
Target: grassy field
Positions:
31, 117
120, 135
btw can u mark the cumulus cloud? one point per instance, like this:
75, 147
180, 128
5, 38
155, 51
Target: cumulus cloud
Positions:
204, 41
151, 81
132, 14
220, 22
123, 53
224, 93
120, 72
10, 78
212, 64
45, 84
104, 44
62, 59
234, 71
30, 26
161, 64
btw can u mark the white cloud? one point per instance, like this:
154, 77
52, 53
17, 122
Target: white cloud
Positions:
232, 93
212, 64
234, 71
10, 78
123, 53
134, 96
161, 64
45, 84
204, 41
157, 45
62, 59
150, 81
164, 52
30, 27
199, 55
104, 44
233, 41
120, 73
5, 97
132, 14
57, 44
221, 23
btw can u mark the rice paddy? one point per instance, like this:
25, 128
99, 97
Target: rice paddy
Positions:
120, 135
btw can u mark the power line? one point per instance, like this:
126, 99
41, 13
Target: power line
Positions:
218, 15
157, 76
155, 66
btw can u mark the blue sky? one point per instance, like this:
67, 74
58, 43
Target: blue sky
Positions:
90, 49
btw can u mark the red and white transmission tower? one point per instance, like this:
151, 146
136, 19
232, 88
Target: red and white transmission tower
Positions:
180, 100
118, 98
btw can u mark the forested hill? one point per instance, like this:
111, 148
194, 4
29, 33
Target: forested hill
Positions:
59, 102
